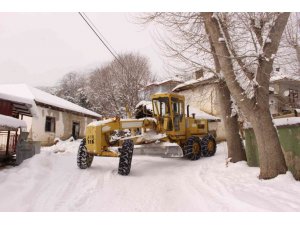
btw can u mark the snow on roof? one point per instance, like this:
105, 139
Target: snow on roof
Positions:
279, 122
174, 79
286, 121
26, 94
192, 82
277, 75
10, 122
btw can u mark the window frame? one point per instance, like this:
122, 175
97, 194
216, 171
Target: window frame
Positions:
52, 124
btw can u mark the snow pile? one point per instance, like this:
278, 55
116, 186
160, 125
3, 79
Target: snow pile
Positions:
67, 146
10, 122
52, 182
26, 94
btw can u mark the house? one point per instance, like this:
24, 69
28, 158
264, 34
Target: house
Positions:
284, 93
12, 128
201, 94
159, 87
48, 117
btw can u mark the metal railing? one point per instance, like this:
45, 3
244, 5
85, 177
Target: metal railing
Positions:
8, 142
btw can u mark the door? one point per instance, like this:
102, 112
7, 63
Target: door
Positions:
75, 130
178, 116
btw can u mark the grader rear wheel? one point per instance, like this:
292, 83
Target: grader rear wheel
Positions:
125, 157
192, 148
208, 146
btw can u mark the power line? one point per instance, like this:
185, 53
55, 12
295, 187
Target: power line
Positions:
103, 38
93, 29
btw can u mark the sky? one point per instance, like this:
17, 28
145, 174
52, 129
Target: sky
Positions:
39, 48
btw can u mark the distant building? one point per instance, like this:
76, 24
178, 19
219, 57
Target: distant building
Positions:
201, 93
284, 93
159, 87
47, 116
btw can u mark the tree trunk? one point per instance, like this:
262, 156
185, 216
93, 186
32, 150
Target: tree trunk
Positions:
236, 150
297, 47
271, 157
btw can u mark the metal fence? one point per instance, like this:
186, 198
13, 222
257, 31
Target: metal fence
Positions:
8, 142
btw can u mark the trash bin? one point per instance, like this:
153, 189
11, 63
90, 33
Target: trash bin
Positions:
289, 137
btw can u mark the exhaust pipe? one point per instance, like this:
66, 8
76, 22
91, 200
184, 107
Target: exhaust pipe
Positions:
188, 110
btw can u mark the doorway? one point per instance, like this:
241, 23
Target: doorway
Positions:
75, 130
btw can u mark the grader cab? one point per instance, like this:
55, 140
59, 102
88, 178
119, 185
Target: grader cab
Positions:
169, 126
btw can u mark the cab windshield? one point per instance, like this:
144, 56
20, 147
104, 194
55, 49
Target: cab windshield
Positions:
161, 106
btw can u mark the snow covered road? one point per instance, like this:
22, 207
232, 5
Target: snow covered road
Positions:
52, 182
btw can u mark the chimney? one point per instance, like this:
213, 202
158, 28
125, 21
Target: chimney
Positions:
199, 73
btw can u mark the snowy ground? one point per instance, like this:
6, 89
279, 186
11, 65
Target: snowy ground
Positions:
51, 181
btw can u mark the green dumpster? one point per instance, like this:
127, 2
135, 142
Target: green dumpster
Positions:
289, 137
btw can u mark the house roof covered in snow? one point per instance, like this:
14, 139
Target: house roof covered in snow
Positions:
284, 77
8, 123
205, 79
169, 80
33, 96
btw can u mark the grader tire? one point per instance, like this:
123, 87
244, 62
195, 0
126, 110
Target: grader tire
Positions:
192, 148
84, 159
125, 158
208, 146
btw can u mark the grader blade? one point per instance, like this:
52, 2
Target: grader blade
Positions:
164, 149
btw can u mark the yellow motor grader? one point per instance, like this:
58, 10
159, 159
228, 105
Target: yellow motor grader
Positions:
168, 126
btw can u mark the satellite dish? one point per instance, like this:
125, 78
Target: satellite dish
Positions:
286, 93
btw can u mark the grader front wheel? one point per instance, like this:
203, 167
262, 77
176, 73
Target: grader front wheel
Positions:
125, 157
192, 148
84, 159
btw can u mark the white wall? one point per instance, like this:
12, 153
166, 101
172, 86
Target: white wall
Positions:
205, 98
63, 125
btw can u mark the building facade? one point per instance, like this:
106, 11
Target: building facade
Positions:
50, 117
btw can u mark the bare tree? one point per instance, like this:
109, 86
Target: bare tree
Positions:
186, 42
246, 45
73, 87
115, 87
290, 46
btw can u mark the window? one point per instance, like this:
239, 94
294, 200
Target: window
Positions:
161, 106
50, 124
293, 96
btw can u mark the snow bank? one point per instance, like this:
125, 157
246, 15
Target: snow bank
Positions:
52, 182
68, 146
7, 121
